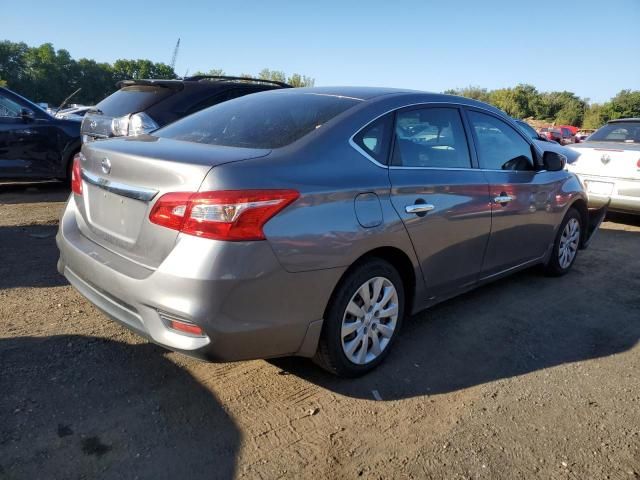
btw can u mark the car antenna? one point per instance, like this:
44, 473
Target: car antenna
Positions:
64, 102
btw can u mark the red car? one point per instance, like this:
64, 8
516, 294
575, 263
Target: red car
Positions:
564, 135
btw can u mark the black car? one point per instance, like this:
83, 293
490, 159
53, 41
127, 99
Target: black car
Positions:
141, 106
34, 144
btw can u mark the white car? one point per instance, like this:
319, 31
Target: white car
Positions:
609, 165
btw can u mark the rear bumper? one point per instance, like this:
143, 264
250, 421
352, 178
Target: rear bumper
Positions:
238, 293
625, 196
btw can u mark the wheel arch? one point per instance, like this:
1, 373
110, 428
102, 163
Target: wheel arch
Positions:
399, 260
581, 206
67, 158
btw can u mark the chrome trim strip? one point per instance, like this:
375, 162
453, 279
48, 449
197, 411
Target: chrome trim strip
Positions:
362, 152
129, 191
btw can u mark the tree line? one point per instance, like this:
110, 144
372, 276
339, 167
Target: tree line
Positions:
44, 74
560, 108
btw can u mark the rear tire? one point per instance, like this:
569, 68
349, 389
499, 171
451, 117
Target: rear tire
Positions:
362, 320
566, 245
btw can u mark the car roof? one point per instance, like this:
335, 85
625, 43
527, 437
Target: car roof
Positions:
623, 120
370, 93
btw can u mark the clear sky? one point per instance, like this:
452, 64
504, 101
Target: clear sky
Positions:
590, 47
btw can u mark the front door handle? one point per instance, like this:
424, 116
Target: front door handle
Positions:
502, 199
419, 208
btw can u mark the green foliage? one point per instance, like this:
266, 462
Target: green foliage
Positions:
44, 74
560, 108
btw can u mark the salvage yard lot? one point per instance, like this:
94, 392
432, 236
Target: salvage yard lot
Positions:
526, 377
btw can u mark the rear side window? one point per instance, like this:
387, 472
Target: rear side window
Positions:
134, 98
430, 137
267, 120
499, 146
374, 138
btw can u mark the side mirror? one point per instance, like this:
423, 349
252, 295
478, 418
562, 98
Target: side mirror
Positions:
27, 115
553, 161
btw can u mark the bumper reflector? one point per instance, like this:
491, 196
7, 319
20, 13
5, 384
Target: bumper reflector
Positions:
180, 325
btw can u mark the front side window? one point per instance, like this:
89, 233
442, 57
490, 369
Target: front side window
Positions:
430, 137
9, 108
499, 146
374, 139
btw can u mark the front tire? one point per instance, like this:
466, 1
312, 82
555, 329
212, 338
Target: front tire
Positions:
362, 320
566, 245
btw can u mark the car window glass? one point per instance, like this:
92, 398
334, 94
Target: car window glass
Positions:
528, 129
259, 121
614, 132
499, 146
430, 137
374, 139
215, 99
8, 108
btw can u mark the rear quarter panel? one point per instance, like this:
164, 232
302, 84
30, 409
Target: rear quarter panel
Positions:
321, 230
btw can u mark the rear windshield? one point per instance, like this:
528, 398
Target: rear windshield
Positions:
134, 98
265, 120
627, 132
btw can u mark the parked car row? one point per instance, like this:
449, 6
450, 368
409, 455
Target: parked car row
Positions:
41, 143
310, 221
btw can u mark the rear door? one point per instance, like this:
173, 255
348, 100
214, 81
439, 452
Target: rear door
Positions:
522, 199
442, 199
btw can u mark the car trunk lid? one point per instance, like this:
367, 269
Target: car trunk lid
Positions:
122, 179
608, 159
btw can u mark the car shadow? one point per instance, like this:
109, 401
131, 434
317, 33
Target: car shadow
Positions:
12, 193
624, 218
85, 407
28, 257
521, 324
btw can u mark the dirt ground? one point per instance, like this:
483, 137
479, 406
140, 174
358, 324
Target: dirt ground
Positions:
529, 377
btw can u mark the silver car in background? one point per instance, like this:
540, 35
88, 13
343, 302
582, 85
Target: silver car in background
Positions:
609, 165
311, 221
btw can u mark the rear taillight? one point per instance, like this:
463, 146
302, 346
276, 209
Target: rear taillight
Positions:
76, 175
638, 163
234, 215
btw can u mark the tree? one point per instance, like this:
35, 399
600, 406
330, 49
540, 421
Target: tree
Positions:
595, 116
476, 93
626, 104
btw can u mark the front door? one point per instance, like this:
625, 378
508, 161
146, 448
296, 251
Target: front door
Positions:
522, 199
27, 146
442, 200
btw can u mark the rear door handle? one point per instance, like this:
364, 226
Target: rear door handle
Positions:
502, 199
419, 208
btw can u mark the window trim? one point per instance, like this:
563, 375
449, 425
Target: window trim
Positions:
535, 153
475, 165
